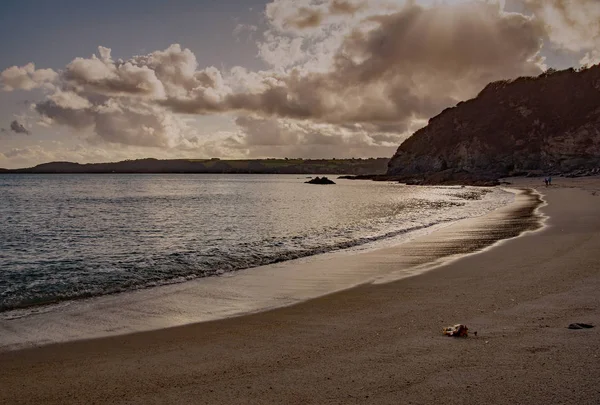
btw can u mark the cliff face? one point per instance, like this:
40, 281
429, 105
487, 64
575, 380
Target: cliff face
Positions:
550, 124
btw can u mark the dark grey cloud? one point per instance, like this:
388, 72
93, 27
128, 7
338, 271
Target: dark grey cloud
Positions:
302, 16
340, 7
19, 128
306, 18
72, 117
117, 122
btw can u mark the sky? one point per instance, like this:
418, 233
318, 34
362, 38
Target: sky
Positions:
97, 81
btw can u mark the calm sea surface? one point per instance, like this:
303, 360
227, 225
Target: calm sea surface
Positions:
73, 236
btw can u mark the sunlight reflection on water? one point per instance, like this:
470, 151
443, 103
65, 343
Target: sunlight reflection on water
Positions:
75, 236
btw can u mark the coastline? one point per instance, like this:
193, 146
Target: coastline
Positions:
267, 287
378, 343
202, 238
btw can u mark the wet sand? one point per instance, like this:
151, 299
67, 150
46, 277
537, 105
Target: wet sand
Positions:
266, 287
376, 343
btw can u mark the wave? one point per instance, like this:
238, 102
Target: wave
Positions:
59, 279
179, 267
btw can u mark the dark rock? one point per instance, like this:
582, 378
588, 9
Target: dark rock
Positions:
537, 126
580, 326
320, 180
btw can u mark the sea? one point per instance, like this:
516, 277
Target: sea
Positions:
66, 237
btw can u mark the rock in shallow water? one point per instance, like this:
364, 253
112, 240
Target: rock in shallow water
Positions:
320, 180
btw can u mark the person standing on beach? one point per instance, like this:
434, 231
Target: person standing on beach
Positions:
546, 181
549, 180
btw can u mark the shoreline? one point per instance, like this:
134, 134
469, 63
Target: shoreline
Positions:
57, 275
266, 288
374, 343
366, 243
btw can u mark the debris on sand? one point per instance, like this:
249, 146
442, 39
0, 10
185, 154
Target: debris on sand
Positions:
580, 326
458, 330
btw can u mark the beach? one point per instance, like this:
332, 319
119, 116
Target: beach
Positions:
376, 343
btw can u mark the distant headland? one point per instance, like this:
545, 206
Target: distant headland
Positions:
257, 166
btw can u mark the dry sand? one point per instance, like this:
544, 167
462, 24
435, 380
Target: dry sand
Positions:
378, 344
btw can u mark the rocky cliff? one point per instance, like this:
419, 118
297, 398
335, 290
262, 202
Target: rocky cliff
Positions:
548, 124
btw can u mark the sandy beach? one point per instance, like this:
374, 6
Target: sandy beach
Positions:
376, 343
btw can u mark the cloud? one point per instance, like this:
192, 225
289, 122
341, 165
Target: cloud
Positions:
18, 128
30, 155
246, 30
107, 77
305, 18
177, 71
171, 72
345, 7
26, 77
264, 137
573, 25
290, 15
591, 58
407, 65
121, 122
118, 101
282, 52
35, 154
342, 74
17, 152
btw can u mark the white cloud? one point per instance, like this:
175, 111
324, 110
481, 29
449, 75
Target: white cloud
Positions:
591, 58
26, 77
573, 25
244, 30
107, 77
264, 137
347, 74
401, 66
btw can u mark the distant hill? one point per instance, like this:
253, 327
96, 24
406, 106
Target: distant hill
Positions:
545, 125
260, 166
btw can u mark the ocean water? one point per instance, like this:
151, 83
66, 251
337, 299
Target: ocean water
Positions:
66, 237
